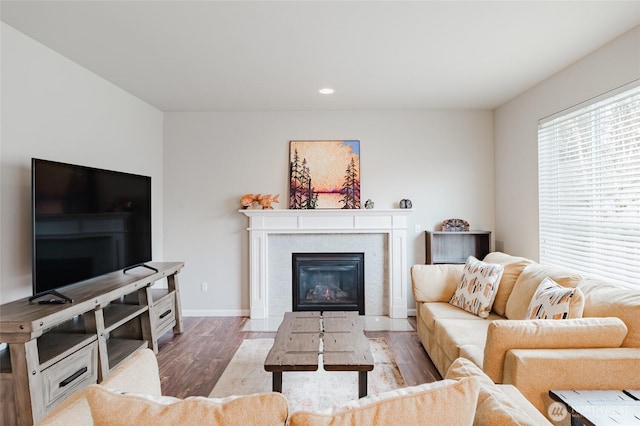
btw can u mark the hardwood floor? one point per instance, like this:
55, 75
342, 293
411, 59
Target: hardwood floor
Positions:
191, 363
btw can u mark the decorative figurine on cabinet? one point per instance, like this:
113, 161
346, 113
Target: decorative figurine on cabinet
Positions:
455, 225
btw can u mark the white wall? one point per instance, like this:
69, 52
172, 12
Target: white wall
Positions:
54, 109
516, 138
441, 160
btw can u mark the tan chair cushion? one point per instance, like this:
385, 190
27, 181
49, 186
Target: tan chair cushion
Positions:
528, 282
513, 268
608, 299
438, 403
495, 407
505, 335
113, 408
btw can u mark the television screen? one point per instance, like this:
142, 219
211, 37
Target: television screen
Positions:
86, 222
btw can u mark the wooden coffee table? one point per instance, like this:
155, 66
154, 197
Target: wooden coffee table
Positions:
304, 336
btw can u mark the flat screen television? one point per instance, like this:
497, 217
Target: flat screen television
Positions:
86, 222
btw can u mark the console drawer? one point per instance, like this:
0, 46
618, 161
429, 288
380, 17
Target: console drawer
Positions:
70, 374
164, 313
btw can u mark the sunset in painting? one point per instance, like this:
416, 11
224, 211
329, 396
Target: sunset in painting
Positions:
325, 174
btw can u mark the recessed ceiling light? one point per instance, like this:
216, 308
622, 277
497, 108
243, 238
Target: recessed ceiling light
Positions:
326, 91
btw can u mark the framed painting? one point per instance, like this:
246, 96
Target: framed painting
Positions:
324, 174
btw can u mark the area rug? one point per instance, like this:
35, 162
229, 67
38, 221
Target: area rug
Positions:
306, 390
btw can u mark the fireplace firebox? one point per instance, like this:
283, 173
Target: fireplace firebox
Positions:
328, 282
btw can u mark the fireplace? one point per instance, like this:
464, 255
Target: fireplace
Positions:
275, 234
328, 282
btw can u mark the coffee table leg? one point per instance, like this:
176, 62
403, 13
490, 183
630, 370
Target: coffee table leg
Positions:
277, 381
362, 384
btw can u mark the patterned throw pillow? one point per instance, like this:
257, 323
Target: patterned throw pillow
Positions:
552, 301
478, 287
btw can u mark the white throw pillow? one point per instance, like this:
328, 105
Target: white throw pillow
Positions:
478, 287
552, 301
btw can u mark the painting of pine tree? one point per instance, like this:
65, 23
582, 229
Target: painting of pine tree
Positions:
324, 174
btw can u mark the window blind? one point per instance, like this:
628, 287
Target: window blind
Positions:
589, 186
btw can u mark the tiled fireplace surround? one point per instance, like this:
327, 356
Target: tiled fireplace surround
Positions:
380, 234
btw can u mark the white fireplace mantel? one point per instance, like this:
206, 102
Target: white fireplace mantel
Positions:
263, 223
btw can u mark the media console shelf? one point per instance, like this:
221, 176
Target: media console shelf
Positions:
455, 247
54, 350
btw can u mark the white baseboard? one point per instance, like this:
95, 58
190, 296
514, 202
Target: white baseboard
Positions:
411, 312
216, 313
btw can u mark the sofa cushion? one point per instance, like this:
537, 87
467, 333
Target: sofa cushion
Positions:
423, 278
609, 299
478, 287
431, 312
495, 407
114, 408
505, 335
513, 267
438, 403
452, 334
474, 353
528, 282
552, 301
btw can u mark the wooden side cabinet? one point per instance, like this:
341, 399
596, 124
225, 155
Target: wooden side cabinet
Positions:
455, 247
54, 350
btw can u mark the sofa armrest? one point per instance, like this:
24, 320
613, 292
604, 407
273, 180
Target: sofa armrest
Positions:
505, 335
537, 371
435, 283
500, 405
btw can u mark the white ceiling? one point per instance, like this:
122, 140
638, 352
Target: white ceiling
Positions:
270, 55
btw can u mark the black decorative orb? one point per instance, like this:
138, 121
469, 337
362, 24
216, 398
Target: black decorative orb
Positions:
405, 203
368, 204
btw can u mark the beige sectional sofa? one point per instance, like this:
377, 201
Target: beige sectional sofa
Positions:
597, 348
466, 396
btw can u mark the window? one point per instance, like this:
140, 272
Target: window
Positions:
589, 186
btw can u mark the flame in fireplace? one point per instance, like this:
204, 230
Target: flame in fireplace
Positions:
326, 292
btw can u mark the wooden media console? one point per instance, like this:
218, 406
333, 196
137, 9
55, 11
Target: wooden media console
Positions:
53, 350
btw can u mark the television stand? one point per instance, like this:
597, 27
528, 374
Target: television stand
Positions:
54, 350
144, 265
62, 298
